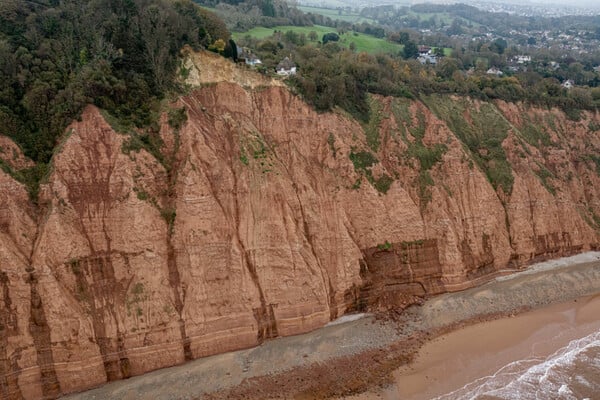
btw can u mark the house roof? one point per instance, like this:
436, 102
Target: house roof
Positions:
568, 83
286, 64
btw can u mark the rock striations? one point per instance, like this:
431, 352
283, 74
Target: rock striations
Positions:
261, 218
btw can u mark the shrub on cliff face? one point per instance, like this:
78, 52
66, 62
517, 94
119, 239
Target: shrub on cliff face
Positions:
383, 184
363, 161
482, 134
384, 246
177, 117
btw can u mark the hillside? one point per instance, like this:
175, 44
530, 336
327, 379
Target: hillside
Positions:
257, 217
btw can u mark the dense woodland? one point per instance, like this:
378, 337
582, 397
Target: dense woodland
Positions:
56, 56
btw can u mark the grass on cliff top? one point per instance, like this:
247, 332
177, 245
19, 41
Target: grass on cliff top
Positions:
363, 42
482, 136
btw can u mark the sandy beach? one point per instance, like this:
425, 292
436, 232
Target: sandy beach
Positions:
452, 338
453, 360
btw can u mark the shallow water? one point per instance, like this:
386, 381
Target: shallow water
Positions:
571, 373
546, 354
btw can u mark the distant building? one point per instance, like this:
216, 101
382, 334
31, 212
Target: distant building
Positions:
494, 71
424, 50
253, 61
522, 59
568, 84
427, 59
554, 65
286, 67
246, 56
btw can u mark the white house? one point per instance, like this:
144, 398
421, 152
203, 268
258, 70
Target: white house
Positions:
568, 84
286, 67
253, 61
522, 59
427, 59
246, 56
494, 71
425, 50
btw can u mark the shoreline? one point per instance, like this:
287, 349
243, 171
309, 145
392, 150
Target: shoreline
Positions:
464, 358
343, 359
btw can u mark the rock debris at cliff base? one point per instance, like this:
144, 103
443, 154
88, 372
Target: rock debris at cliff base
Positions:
347, 358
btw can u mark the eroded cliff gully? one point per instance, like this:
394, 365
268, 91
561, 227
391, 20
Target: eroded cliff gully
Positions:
264, 218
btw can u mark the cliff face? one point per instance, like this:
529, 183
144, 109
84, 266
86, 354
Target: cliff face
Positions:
262, 218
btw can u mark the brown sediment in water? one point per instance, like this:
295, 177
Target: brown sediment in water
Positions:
462, 356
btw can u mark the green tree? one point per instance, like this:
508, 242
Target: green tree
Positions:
330, 37
267, 8
446, 67
498, 46
410, 50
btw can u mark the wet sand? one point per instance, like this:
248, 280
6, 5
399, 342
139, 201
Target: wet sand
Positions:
458, 358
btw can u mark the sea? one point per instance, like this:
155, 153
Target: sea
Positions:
571, 373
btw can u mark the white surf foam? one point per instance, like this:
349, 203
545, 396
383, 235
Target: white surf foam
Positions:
537, 379
347, 318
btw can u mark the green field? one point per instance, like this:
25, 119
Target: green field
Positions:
444, 17
342, 3
261, 32
328, 4
441, 17
366, 43
342, 15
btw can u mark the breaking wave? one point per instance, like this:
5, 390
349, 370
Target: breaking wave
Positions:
571, 373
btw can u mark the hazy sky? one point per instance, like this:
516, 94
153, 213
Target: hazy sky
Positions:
586, 3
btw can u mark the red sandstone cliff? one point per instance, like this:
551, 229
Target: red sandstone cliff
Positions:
262, 218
